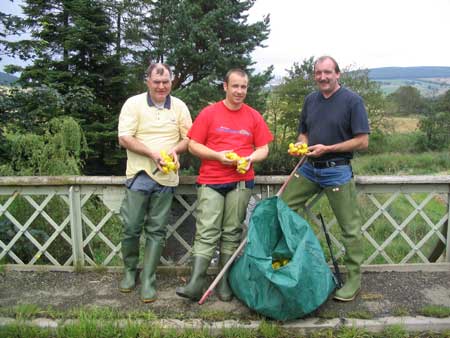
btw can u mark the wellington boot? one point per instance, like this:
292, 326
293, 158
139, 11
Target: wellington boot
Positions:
152, 254
350, 289
223, 288
128, 282
133, 213
130, 254
194, 289
344, 204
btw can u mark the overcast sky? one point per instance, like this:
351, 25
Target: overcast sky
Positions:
362, 33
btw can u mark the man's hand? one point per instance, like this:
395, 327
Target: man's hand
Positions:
222, 157
317, 150
174, 155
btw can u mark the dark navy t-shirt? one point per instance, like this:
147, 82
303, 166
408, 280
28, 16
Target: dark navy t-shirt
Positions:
336, 119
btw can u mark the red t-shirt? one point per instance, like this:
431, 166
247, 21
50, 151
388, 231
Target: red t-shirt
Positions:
220, 128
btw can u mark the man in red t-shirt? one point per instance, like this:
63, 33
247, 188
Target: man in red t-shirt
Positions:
223, 191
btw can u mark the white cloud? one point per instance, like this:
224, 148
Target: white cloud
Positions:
366, 34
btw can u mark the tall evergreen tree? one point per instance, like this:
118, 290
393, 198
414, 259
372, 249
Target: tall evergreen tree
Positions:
202, 40
105, 47
71, 45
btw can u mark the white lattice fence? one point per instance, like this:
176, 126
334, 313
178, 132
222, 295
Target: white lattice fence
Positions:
73, 221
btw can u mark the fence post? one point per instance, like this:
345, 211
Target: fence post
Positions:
76, 226
447, 246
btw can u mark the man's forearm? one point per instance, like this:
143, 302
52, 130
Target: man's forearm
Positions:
260, 153
359, 142
181, 147
202, 151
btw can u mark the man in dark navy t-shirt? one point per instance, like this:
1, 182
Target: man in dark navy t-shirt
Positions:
334, 124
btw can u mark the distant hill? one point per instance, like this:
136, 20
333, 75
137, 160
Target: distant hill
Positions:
6, 79
386, 73
430, 81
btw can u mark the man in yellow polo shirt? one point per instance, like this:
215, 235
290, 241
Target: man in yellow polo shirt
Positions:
149, 123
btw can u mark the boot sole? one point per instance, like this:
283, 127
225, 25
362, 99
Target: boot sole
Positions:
148, 300
194, 299
126, 290
347, 299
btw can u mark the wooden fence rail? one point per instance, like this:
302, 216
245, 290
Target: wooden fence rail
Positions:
74, 220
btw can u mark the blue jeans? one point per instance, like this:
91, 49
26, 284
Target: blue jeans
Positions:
144, 183
327, 177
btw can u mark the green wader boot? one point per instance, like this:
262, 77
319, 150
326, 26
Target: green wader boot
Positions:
223, 288
194, 289
155, 233
132, 211
152, 254
298, 191
344, 204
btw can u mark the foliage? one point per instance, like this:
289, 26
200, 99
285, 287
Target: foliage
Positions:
105, 47
358, 81
435, 125
57, 151
406, 100
286, 101
203, 40
402, 163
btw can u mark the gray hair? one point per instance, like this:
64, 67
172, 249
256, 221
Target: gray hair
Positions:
159, 68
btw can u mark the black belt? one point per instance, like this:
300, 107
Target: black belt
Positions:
328, 164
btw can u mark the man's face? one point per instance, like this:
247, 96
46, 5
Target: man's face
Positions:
159, 85
326, 77
236, 89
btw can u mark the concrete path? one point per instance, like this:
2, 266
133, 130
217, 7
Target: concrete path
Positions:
387, 298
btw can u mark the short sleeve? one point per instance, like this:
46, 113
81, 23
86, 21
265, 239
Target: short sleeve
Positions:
184, 122
128, 120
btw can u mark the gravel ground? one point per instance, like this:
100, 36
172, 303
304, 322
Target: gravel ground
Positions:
383, 294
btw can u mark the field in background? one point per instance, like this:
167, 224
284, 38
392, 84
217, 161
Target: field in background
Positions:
403, 124
428, 87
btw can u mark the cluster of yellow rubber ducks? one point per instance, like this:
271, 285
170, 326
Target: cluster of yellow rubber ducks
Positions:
169, 163
278, 263
241, 162
299, 150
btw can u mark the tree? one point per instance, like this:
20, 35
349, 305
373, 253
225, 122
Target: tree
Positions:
435, 125
286, 101
374, 100
71, 46
407, 100
199, 38
106, 46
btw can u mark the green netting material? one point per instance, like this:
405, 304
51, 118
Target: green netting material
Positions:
294, 290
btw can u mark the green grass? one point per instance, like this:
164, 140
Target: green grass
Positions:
400, 311
403, 163
381, 229
93, 329
360, 314
436, 311
396, 331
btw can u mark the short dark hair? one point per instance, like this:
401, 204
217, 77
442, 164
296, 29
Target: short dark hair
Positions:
326, 57
159, 68
234, 70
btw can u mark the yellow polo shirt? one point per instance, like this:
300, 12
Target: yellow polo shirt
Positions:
158, 128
